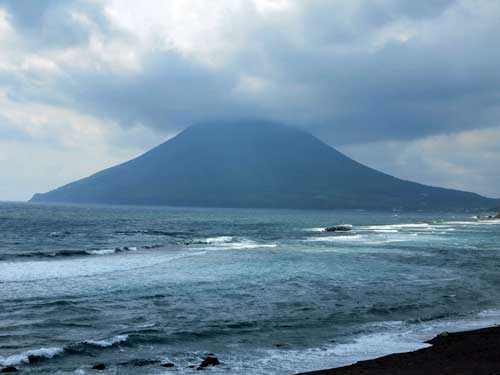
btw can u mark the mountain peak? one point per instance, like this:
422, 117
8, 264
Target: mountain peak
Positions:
254, 164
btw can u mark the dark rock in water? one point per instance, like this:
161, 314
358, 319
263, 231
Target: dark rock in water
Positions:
339, 228
99, 366
9, 369
497, 216
35, 358
167, 364
210, 361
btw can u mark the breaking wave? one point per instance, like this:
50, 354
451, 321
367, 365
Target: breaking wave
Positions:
217, 240
73, 253
104, 343
228, 242
111, 251
30, 356
37, 355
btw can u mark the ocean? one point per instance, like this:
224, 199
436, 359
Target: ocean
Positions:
264, 291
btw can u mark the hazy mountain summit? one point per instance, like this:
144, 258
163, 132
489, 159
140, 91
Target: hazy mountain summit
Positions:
254, 164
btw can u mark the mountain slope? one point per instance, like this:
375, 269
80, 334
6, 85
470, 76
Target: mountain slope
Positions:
254, 165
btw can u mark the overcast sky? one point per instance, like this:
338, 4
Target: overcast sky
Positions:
408, 87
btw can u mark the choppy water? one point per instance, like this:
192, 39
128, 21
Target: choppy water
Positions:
264, 290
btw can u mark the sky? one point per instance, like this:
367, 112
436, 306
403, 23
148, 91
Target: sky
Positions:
408, 87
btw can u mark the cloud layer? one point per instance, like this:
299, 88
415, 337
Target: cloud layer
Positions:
360, 74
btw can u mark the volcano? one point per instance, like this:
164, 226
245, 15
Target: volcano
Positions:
255, 165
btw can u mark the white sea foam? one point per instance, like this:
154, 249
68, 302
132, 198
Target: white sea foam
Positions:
385, 230
315, 229
104, 343
217, 240
76, 267
375, 238
490, 313
146, 325
476, 222
111, 251
232, 243
355, 237
126, 248
411, 226
101, 252
385, 338
24, 357
283, 361
240, 245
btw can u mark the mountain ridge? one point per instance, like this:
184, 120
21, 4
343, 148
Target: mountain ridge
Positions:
254, 164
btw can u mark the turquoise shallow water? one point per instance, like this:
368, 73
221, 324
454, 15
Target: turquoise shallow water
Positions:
264, 290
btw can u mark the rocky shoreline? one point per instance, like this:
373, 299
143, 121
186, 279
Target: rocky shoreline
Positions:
474, 352
208, 361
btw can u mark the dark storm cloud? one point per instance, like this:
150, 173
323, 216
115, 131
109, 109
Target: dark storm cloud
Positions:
170, 91
324, 71
407, 91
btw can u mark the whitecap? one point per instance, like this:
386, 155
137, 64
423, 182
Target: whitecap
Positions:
146, 325
228, 242
414, 226
217, 240
101, 252
477, 222
240, 245
104, 343
24, 357
355, 237
111, 251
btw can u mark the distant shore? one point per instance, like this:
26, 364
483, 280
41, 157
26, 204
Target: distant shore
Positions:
474, 352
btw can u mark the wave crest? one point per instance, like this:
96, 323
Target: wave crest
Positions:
31, 356
104, 343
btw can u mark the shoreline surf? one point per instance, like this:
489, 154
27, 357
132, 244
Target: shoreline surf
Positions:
457, 353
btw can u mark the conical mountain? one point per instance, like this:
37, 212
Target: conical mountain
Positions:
254, 164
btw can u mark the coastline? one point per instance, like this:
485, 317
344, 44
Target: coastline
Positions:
461, 353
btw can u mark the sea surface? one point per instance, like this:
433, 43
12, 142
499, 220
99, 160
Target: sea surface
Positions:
265, 291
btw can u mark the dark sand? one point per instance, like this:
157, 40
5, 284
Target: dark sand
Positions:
472, 353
